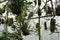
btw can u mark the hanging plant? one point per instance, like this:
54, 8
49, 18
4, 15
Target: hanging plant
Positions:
45, 26
24, 29
52, 25
39, 12
9, 21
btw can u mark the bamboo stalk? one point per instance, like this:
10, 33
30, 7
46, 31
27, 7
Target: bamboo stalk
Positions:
40, 17
52, 8
6, 22
39, 30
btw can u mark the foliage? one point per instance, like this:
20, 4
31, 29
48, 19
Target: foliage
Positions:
37, 28
52, 25
3, 37
24, 29
9, 21
48, 10
20, 8
17, 6
30, 15
2, 10
57, 10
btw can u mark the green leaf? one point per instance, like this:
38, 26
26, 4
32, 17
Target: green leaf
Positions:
9, 21
24, 28
45, 25
37, 28
19, 19
52, 25
30, 15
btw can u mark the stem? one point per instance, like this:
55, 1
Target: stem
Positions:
40, 17
52, 8
39, 30
7, 20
